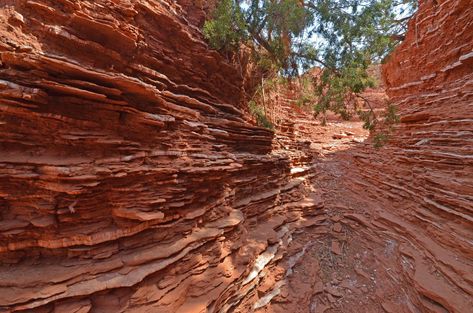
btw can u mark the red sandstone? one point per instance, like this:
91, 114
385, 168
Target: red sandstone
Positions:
132, 180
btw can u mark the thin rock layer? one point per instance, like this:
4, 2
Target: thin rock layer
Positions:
421, 183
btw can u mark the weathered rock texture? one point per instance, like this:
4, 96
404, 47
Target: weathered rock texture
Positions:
197, 11
400, 226
132, 181
425, 174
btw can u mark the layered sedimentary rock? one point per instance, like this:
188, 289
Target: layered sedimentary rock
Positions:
130, 178
422, 181
398, 230
197, 11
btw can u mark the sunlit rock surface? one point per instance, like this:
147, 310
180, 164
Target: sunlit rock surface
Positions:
132, 180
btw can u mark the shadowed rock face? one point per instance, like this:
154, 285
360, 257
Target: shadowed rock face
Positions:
197, 10
425, 175
132, 180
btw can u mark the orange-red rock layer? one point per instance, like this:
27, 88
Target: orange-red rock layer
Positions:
397, 230
422, 181
130, 179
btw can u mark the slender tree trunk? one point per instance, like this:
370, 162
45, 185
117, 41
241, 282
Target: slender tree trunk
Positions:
264, 100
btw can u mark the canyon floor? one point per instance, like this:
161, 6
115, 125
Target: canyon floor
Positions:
133, 178
336, 264
344, 255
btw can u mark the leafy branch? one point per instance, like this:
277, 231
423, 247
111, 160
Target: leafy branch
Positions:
340, 37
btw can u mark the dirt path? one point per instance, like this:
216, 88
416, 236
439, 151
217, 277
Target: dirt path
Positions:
346, 267
339, 264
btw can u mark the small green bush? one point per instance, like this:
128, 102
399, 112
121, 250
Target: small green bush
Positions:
258, 112
380, 140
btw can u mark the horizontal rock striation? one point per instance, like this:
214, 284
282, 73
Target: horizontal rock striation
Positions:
397, 230
131, 180
421, 183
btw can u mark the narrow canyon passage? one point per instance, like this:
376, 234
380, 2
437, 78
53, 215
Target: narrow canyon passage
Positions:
343, 255
339, 261
133, 177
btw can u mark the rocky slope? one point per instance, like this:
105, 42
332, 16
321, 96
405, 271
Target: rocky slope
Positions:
133, 181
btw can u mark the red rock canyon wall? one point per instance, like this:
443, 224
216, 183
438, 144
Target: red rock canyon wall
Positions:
131, 179
421, 183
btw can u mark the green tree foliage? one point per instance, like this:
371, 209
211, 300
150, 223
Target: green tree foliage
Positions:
227, 30
258, 112
342, 37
